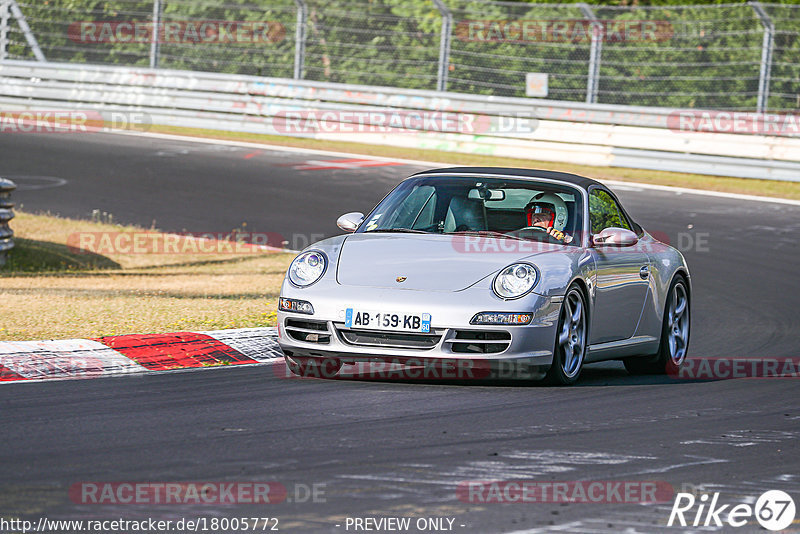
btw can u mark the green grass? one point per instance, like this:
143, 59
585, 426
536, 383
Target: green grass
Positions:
32, 256
51, 290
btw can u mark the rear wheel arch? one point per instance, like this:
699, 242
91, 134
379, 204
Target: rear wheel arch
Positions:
681, 274
685, 275
661, 362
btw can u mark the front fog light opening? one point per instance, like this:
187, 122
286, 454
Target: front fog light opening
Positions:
501, 318
294, 305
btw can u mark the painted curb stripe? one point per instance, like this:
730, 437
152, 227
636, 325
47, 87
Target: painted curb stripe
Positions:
68, 358
135, 354
160, 352
260, 344
7, 375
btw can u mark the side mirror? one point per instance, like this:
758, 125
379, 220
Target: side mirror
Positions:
349, 222
615, 237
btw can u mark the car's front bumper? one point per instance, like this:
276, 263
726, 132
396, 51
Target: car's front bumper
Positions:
510, 351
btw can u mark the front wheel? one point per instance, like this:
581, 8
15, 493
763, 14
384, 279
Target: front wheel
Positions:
674, 336
571, 336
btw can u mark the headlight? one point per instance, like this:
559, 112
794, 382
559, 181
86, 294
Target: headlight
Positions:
515, 280
307, 268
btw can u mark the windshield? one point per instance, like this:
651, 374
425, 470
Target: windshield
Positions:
501, 207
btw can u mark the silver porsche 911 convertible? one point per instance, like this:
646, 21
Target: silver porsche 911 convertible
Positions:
515, 272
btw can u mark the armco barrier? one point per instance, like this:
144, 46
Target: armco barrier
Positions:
590, 134
6, 214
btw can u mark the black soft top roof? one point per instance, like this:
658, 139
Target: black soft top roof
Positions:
580, 181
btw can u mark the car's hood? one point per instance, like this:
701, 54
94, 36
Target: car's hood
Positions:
427, 262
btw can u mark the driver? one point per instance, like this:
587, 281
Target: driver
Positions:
548, 212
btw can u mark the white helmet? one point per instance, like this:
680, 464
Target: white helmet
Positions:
549, 202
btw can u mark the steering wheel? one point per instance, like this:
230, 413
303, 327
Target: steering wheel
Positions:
521, 231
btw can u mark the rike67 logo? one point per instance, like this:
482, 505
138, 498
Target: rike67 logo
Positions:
774, 510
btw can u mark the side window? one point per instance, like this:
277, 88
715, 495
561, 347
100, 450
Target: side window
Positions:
604, 212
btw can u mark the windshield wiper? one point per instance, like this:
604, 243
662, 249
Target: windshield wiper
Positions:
397, 230
489, 233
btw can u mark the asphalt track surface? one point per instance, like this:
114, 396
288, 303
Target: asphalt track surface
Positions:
384, 449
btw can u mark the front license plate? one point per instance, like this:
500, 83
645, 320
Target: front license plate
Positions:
381, 320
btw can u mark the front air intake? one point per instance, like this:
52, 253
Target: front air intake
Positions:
479, 341
399, 340
308, 331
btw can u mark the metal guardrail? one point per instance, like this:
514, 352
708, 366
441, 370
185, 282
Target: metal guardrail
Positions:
580, 133
6, 214
160, 81
729, 55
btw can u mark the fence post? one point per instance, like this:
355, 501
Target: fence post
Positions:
26, 30
154, 43
6, 214
4, 16
444, 45
300, 39
766, 56
593, 79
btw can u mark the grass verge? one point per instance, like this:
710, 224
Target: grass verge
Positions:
51, 290
768, 188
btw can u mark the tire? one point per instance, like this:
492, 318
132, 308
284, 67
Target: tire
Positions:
313, 367
675, 330
572, 334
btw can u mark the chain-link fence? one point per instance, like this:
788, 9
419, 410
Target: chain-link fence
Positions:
742, 56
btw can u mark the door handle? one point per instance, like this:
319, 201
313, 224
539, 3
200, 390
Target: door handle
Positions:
644, 272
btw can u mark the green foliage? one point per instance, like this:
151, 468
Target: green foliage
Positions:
707, 56
604, 213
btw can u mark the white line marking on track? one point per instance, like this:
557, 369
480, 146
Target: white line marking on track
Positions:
550, 528
320, 165
701, 461
438, 164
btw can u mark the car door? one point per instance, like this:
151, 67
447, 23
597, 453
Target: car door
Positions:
622, 279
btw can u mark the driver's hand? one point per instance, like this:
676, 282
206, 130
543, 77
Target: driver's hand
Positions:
558, 234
